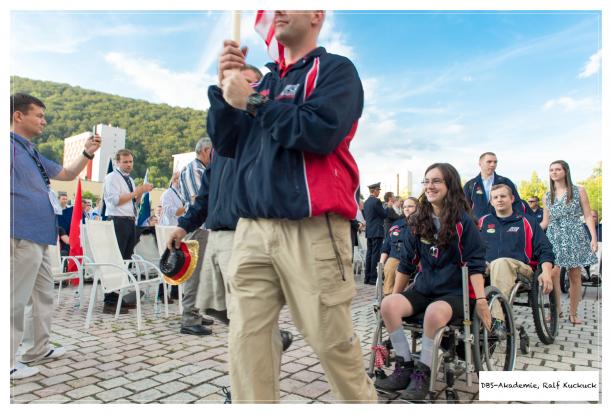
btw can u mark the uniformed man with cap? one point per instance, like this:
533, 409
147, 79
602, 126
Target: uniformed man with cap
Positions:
374, 215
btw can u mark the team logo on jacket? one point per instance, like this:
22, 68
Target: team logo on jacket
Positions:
513, 229
478, 190
425, 241
491, 231
289, 92
491, 228
434, 251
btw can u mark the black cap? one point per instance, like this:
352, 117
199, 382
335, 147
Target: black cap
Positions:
373, 186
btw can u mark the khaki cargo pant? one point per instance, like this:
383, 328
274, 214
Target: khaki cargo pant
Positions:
389, 270
503, 276
278, 262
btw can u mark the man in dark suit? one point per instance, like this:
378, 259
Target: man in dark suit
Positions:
374, 215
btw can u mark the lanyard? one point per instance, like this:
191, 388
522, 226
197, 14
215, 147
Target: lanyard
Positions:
130, 187
37, 161
177, 194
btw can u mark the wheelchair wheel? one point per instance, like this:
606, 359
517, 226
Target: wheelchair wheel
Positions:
493, 352
564, 280
544, 310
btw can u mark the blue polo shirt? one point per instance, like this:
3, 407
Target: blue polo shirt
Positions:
32, 216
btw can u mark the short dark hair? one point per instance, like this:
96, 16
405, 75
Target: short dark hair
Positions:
21, 102
252, 68
123, 153
502, 186
484, 154
388, 195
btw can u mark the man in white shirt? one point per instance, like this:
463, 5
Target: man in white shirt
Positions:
172, 203
121, 196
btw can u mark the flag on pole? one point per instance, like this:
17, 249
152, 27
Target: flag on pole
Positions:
264, 26
76, 248
145, 206
103, 208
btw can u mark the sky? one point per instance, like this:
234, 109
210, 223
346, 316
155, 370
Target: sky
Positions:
439, 86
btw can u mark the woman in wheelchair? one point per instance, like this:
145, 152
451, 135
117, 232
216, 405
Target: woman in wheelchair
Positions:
442, 237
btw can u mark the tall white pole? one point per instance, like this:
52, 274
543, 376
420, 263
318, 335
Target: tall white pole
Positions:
236, 26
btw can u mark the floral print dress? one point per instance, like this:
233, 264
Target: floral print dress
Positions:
567, 233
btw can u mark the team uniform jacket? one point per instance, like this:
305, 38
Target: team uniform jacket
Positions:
477, 197
374, 215
441, 268
519, 237
292, 158
393, 240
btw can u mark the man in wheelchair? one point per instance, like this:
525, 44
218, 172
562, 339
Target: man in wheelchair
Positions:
441, 237
514, 243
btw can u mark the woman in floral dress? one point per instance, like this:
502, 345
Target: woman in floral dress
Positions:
563, 206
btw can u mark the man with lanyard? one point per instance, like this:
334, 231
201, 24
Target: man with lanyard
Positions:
121, 195
478, 189
515, 242
33, 230
172, 204
374, 215
290, 138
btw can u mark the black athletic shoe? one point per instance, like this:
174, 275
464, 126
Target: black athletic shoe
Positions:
287, 339
400, 378
419, 384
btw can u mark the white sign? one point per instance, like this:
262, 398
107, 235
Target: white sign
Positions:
539, 386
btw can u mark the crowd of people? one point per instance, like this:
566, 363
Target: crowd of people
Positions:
271, 197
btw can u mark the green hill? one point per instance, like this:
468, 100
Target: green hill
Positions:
154, 131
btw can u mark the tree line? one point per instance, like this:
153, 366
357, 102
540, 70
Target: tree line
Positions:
154, 132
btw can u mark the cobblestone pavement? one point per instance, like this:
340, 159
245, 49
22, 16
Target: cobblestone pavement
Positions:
112, 362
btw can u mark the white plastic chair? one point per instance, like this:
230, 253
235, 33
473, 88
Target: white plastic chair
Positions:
113, 272
359, 256
162, 233
58, 263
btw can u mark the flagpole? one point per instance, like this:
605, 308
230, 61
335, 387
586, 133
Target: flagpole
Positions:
236, 26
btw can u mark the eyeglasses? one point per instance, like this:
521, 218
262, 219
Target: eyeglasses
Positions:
435, 182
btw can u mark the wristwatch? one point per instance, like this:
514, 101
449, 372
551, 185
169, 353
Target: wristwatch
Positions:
254, 101
88, 156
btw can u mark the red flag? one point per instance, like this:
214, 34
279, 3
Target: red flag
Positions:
264, 25
76, 249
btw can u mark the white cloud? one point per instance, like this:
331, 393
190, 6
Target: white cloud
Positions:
592, 66
452, 129
569, 104
185, 89
333, 40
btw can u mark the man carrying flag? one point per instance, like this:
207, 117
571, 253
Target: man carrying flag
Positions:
290, 140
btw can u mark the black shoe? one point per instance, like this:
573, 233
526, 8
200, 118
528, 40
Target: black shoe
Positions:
207, 321
220, 315
196, 330
370, 282
419, 384
400, 378
287, 339
111, 308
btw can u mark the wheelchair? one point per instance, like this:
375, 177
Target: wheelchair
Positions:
543, 308
463, 347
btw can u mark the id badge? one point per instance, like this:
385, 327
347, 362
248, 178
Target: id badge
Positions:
55, 202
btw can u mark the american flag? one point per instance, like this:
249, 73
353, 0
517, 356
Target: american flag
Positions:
264, 25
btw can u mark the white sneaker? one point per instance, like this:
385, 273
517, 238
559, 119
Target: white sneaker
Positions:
23, 371
53, 353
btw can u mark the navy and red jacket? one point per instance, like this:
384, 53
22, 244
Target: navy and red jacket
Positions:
374, 215
213, 199
518, 236
441, 268
477, 196
392, 245
292, 158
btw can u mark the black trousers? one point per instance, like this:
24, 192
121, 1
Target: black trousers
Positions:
372, 258
125, 231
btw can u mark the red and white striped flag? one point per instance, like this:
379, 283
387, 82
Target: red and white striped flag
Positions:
264, 25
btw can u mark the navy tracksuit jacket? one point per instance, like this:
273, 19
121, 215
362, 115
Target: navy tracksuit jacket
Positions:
477, 196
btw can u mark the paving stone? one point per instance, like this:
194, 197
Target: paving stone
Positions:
113, 394
110, 374
57, 379
173, 387
84, 391
204, 390
24, 398
112, 383
53, 390
81, 382
147, 396
141, 385
53, 399
201, 377
313, 390
24, 388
